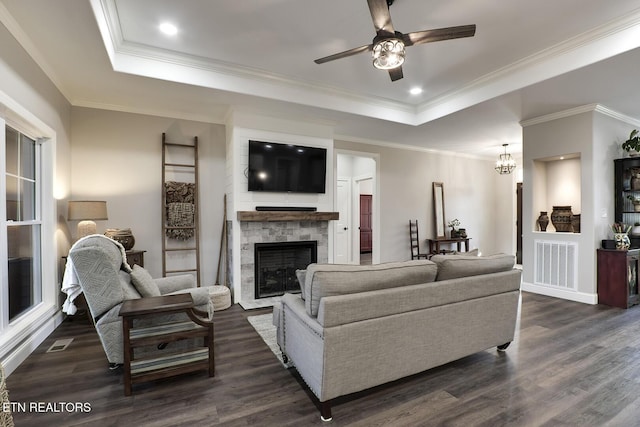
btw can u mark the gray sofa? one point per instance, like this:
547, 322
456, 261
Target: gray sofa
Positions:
356, 327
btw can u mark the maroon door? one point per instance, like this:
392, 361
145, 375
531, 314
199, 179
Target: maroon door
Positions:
365, 223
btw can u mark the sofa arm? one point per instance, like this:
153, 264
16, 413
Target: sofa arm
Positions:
201, 296
175, 283
296, 306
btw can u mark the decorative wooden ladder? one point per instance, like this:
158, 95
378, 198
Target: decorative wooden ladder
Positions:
185, 165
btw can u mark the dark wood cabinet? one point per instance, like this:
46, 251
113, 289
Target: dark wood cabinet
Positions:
135, 257
627, 185
618, 277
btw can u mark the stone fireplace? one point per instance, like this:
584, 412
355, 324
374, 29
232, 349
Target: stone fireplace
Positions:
258, 228
276, 265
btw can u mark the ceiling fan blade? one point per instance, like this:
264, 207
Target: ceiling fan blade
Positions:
439, 34
381, 17
344, 54
396, 73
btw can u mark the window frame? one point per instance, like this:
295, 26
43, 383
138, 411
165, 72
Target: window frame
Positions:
17, 336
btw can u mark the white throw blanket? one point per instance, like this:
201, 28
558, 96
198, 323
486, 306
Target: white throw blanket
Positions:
70, 282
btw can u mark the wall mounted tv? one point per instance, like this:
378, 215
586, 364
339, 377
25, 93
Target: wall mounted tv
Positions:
286, 168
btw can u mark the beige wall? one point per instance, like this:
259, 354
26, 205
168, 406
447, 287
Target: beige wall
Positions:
481, 199
117, 157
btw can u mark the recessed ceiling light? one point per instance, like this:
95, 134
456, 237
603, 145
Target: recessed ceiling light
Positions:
168, 29
415, 91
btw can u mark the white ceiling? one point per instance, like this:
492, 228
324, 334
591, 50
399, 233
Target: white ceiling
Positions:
525, 60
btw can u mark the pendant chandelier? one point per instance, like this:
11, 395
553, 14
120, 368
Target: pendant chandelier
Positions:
505, 163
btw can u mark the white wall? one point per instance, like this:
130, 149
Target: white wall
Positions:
117, 157
562, 189
242, 127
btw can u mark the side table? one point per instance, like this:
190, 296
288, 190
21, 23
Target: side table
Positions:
135, 256
434, 244
150, 368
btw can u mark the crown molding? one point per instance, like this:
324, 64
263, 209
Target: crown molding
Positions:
409, 147
609, 39
580, 110
612, 38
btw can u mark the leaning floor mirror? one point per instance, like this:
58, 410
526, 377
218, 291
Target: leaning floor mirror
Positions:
438, 208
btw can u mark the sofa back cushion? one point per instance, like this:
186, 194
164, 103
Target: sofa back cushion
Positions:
323, 280
455, 266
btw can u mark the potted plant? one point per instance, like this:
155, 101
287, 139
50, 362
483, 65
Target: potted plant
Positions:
632, 145
635, 201
454, 224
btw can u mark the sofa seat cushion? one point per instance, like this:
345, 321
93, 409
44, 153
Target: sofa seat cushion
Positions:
455, 266
322, 280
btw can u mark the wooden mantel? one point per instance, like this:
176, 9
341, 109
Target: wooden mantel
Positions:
286, 216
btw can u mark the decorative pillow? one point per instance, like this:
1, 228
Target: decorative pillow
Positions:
143, 282
455, 266
301, 274
127, 287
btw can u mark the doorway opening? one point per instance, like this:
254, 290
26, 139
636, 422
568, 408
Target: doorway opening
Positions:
356, 233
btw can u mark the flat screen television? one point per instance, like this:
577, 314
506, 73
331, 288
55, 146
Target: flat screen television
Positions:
286, 168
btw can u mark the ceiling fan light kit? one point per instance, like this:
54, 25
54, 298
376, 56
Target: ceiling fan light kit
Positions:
388, 45
388, 54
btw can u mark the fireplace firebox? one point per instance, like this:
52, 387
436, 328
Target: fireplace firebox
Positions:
276, 265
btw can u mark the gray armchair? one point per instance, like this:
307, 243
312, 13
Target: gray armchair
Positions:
99, 266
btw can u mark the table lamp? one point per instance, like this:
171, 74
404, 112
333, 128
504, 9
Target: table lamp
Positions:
87, 212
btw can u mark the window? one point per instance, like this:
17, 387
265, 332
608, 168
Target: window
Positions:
23, 222
29, 257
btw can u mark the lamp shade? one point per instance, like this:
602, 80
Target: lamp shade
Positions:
81, 210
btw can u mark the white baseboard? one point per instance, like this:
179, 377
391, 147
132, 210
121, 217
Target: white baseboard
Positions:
19, 354
560, 293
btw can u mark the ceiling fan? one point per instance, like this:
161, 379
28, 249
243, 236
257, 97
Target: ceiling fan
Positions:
388, 45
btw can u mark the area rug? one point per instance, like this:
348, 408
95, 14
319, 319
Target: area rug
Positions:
264, 327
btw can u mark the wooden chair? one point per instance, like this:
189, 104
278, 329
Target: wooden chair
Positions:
415, 241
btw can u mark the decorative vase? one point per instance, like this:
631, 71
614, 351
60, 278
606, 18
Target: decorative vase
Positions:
124, 237
462, 233
622, 241
635, 231
543, 221
575, 223
561, 218
636, 207
635, 180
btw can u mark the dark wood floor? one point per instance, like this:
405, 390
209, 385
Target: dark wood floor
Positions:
570, 365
